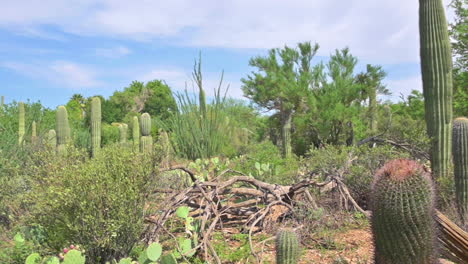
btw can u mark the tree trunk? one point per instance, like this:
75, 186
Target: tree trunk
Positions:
373, 110
286, 118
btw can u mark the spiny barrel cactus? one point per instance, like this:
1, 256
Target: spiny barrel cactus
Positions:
21, 126
95, 125
136, 132
123, 128
402, 201
146, 141
63, 129
436, 69
33, 133
460, 162
287, 247
52, 139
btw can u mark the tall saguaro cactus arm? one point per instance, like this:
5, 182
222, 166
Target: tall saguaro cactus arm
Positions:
436, 68
287, 247
95, 125
460, 162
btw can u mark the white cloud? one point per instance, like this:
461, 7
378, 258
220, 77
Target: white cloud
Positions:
115, 52
383, 31
403, 87
65, 73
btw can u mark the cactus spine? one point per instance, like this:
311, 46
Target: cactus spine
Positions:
146, 141
136, 132
123, 128
33, 133
287, 247
95, 126
436, 68
63, 129
52, 139
402, 214
21, 126
460, 162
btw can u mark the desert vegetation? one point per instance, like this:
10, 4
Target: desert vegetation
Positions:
331, 174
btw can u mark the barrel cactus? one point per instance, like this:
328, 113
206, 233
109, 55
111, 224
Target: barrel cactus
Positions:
136, 132
95, 125
287, 247
436, 69
402, 201
62, 129
146, 140
21, 126
460, 162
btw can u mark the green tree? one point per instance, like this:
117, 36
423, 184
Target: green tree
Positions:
282, 83
160, 102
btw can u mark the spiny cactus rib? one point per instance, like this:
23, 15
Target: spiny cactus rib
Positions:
287, 247
95, 125
145, 124
123, 128
62, 129
136, 132
21, 126
402, 214
436, 69
52, 139
146, 144
460, 162
33, 133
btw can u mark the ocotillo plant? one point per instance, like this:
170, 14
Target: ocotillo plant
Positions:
95, 125
21, 126
436, 69
123, 128
146, 141
403, 227
33, 133
460, 162
136, 133
52, 139
287, 247
63, 129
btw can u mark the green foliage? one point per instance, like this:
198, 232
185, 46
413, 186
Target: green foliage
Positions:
95, 125
436, 69
74, 257
287, 247
97, 203
460, 162
110, 134
402, 214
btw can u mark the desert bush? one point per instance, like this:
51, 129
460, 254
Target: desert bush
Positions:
97, 203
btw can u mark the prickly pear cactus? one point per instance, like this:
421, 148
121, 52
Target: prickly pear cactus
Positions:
95, 125
460, 162
63, 129
74, 257
33, 133
21, 126
436, 69
287, 247
402, 201
136, 132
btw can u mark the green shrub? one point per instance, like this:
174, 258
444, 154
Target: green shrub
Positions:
110, 134
97, 203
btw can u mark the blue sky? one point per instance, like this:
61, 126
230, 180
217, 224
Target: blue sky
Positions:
51, 49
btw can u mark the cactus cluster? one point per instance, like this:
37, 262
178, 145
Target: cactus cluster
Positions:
95, 126
436, 69
460, 162
21, 124
402, 214
146, 140
62, 129
287, 247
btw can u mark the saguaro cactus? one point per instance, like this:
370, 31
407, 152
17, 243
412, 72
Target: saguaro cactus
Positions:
146, 141
136, 132
95, 125
287, 247
63, 129
436, 68
460, 162
402, 214
52, 139
21, 125
123, 128
33, 133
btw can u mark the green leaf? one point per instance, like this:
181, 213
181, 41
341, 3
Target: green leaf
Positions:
34, 258
265, 166
53, 260
168, 259
125, 261
19, 238
186, 247
257, 165
154, 251
74, 257
182, 212
143, 258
